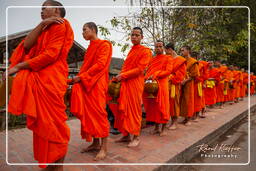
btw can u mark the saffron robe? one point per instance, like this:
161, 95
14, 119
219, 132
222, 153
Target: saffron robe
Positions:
129, 115
158, 109
89, 96
38, 92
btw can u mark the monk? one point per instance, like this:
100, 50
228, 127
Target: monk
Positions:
89, 92
210, 91
128, 119
252, 84
198, 89
40, 62
204, 75
158, 109
231, 93
243, 84
175, 79
187, 96
220, 84
237, 80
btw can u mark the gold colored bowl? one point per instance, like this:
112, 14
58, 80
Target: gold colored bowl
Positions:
151, 88
114, 90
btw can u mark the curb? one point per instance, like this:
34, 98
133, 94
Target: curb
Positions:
190, 153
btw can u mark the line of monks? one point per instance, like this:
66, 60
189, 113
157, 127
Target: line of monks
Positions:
185, 86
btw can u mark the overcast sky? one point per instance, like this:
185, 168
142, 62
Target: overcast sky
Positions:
98, 11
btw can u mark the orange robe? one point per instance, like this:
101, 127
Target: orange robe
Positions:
220, 84
252, 84
198, 88
39, 91
158, 109
229, 77
187, 95
177, 76
244, 84
210, 92
129, 115
236, 83
89, 96
204, 75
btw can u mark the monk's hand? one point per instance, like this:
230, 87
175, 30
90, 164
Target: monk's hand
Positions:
76, 79
150, 77
13, 70
48, 21
119, 77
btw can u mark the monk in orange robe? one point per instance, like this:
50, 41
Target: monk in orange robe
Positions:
243, 84
220, 84
187, 96
40, 62
198, 89
210, 90
128, 119
252, 84
237, 80
89, 93
246, 82
175, 79
231, 93
158, 109
204, 75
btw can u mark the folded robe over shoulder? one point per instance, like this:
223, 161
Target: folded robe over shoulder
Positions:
157, 109
129, 115
89, 96
39, 91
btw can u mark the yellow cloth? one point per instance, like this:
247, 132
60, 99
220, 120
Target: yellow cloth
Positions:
210, 84
172, 91
200, 89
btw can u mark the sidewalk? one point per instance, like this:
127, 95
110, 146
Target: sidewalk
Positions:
178, 146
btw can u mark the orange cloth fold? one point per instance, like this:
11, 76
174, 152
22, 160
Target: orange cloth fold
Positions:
39, 91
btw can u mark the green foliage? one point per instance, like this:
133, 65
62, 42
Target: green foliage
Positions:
216, 33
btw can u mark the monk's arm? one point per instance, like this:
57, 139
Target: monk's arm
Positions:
52, 50
167, 72
102, 59
31, 38
179, 75
142, 64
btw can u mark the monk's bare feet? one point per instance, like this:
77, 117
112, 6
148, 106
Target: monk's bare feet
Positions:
172, 127
101, 155
155, 131
92, 147
188, 123
134, 143
195, 120
124, 139
163, 133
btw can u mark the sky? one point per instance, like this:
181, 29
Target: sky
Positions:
99, 11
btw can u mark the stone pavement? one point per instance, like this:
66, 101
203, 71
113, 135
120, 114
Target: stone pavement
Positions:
177, 146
